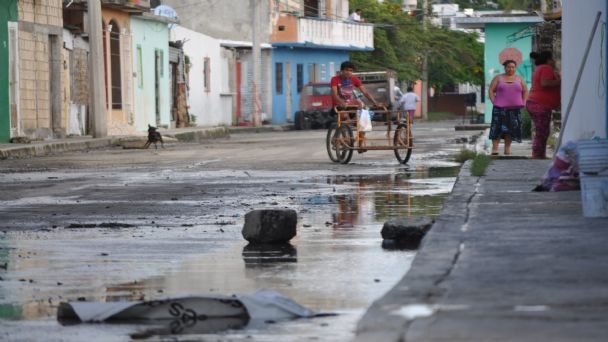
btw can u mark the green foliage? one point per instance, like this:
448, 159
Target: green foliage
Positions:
192, 120
401, 43
455, 57
479, 165
464, 155
397, 40
509, 5
478, 5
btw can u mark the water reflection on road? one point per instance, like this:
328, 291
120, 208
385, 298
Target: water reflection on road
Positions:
335, 263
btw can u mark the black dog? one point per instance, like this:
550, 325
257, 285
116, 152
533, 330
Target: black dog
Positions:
154, 137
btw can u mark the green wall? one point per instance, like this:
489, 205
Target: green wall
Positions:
8, 12
499, 37
150, 39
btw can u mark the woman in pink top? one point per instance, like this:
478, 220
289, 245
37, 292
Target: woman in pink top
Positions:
544, 98
508, 93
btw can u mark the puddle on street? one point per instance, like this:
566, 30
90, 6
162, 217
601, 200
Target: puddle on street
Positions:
335, 264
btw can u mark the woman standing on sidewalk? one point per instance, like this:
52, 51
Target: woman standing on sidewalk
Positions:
544, 97
508, 93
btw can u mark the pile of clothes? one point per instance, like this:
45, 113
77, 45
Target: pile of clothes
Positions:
563, 173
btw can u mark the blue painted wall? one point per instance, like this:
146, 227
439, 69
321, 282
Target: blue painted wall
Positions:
322, 58
497, 39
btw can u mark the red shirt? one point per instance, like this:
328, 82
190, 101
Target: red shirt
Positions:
546, 96
345, 88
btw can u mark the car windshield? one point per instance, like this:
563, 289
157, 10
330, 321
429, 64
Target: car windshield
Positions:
319, 90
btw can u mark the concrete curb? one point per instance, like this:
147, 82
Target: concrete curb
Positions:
199, 135
45, 148
385, 319
194, 134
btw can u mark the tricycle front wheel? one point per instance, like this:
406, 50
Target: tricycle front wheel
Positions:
402, 141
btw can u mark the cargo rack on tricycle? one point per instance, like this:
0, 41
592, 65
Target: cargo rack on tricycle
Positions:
341, 141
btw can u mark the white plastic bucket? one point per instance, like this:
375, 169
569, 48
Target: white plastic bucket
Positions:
592, 156
594, 195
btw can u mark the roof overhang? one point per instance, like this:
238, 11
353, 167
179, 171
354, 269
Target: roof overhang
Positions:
481, 22
309, 45
235, 44
158, 18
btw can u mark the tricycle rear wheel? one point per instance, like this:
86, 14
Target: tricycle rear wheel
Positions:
339, 143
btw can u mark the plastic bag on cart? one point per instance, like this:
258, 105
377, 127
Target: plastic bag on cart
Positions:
365, 120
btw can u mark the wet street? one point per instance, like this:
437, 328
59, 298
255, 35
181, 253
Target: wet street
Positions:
127, 224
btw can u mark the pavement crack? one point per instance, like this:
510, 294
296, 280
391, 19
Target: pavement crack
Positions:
461, 244
448, 271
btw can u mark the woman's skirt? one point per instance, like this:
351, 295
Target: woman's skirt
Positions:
505, 122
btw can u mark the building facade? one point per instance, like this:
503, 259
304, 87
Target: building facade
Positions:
75, 83
308, 40
35, 65
500, 38
310, 48
150, 73
207, 76
45, 92
584, 100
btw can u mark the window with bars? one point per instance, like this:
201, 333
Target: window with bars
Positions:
278, 71
207, 74
300, 76
140, 68
115, 73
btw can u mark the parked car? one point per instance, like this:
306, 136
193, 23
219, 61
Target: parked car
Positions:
314, 107
315, 99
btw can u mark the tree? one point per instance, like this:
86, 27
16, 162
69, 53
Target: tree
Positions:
477, 5
397, 40
400, 44
525, 5
454, 57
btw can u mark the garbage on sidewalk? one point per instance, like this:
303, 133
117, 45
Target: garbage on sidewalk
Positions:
581, 165
563, 173
189, 314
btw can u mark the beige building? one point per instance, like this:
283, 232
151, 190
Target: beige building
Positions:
37, 69
49, 73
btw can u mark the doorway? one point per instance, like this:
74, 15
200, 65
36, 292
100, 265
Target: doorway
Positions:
158, 71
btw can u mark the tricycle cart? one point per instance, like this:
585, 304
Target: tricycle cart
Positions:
347, 134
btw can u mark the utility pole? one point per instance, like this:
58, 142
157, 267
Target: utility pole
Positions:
425, 71
97, 99
255, 89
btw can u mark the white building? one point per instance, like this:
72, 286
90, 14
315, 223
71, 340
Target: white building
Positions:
584, 80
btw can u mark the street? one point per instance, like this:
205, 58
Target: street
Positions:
131, 224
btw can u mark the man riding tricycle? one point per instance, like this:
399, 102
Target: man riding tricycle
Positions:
352, 113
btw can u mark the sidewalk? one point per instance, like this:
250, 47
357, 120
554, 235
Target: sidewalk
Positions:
502, 263
190, 134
